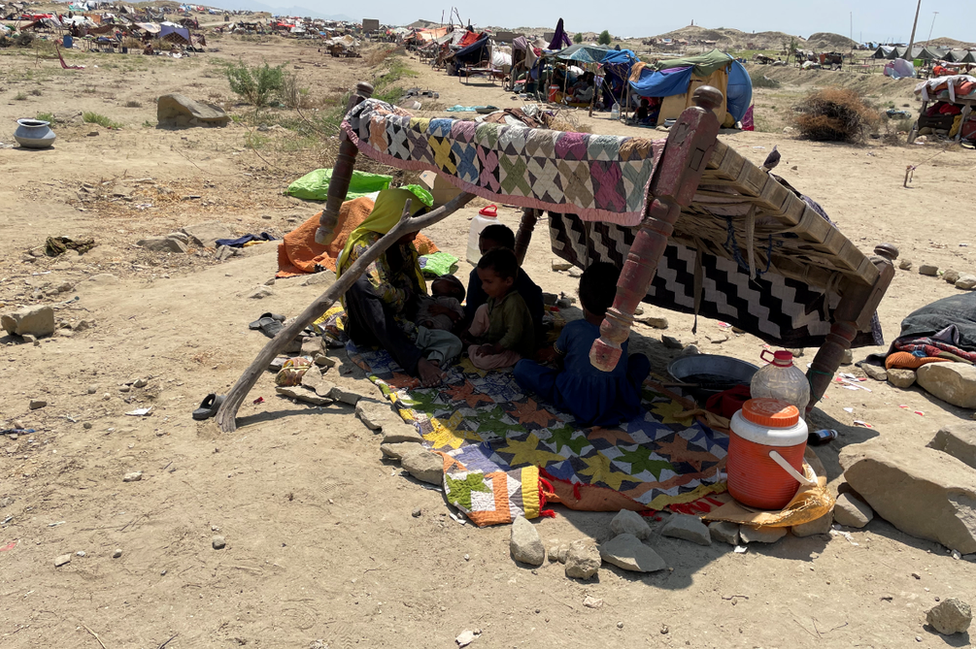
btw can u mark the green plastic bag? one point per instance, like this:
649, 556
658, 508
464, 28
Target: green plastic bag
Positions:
314, 186
438, 264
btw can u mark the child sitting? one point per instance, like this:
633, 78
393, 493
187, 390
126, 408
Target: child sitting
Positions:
501, 236
442, 308
502, 327
594, 397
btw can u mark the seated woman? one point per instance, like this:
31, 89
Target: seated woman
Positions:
584, 89
381, 306
594, 397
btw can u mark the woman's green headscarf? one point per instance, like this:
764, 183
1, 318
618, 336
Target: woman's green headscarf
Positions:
385, 214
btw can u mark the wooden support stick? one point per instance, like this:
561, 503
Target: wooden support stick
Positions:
529, 218
227, 413
341, 173
687, 152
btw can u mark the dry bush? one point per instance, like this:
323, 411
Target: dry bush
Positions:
567, 120
377, 55
835, 115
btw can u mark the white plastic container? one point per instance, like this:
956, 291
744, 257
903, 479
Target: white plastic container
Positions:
478, 223
615, 112
781, 380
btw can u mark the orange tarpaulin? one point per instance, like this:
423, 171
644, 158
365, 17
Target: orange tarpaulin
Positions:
298, 254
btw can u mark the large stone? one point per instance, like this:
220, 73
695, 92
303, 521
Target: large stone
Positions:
206, 234
851, 511
424, 466
375, 414
32, 320
525, 544
958, 440
178, 110
921, 491
875, 372
396, 450
162, 244
302, 394
395, 433
950, 275
725, 532
626, 551
322, 279
812, 528
901, 377
689, 528
928, 269
628, 522
954, 383
951, 616
582, 559
750, 534
966, 282
348, 396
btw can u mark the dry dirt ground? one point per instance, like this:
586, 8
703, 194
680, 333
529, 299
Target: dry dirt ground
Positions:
321, 543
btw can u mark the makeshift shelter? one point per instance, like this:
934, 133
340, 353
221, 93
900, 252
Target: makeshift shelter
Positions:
677, 79
581, 53
882, 52
173, 33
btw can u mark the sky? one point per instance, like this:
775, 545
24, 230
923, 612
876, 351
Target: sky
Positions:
874, 20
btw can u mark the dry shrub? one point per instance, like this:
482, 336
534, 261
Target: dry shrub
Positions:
377, 55
567, 120
835, 115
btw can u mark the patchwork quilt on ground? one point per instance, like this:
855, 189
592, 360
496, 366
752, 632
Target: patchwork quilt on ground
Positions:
506, 454
598, 177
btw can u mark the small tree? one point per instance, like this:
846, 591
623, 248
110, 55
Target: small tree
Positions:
604, 38
578, 37
256, 85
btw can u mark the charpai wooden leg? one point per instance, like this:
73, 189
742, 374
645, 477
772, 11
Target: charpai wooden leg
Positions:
530, 217
341, 173
857, 306
673, 186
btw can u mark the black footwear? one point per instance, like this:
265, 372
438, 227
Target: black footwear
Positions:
208, 407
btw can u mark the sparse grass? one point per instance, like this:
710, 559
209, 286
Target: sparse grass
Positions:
36, 92
46, 117
132, 103
90, 90
21, 96
760, 80
96, 118
836, 115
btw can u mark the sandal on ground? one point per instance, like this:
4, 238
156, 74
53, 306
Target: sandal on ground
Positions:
208, 407
269, 324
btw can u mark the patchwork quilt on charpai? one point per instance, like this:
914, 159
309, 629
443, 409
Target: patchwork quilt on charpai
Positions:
598, 177
506, 454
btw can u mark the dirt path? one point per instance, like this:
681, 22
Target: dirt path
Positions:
320, 538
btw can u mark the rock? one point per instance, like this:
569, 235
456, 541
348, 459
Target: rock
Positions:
62, 560
31, 338
875, 372
162, 244
847, 358
416, 513
261, 292
525, 544
948, 617
301, 394
375, 413
905, 264
81, 553
628, 522
348, 396
104, 279
819, 526
592, 602
958, 440
178, 110
179, 236
928, 269
323, 278
312, 346
950, 275
725, 532
312, 379
135, 476
690, 350
656, 323
966, 282
922, 492
558, 265
900, 377
140, 383
324, 361
575, 272
397, 431
36, 403
218, 543
670, 342
626, 551
117, 553
954, 383
35, 320
396, 450
750, 534
689, 528
851, 511
424, 466
582, 559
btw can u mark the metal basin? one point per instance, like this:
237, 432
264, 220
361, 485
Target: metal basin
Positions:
711, 373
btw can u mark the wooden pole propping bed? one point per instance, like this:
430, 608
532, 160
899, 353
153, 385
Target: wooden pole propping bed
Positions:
227, 414
341, 173
857, 306
688, 150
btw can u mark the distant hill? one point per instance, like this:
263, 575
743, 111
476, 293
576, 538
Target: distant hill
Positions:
253, 5
948, 42
823, 41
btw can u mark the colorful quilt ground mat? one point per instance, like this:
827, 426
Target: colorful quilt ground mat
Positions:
508, 455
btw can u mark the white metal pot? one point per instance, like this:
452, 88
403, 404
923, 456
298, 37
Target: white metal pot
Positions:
34, 134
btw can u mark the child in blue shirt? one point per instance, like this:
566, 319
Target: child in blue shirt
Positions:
594, 397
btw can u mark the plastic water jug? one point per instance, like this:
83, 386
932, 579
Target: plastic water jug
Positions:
484, 218
781, 380
765, 460
615, 112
